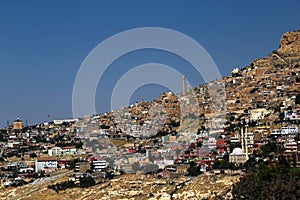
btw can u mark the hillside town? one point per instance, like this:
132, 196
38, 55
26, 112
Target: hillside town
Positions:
211, 130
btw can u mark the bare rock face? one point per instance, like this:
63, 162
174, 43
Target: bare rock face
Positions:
290, 43
288, 52
263, 62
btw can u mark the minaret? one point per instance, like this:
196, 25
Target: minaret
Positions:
246, 142
183, 85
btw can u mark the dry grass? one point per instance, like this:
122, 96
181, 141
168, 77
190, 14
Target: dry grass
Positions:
125, 187
120, 143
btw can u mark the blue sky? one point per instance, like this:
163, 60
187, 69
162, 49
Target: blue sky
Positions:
42, 44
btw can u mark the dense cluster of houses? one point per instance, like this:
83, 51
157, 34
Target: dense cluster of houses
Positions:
174, 152
51, 147
28, 152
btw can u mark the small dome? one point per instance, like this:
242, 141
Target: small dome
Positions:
237, 150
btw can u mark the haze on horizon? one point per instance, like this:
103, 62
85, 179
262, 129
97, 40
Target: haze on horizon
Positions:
43, 44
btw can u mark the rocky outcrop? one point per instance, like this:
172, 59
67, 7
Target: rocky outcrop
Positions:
289, 51
139, 187
290, 43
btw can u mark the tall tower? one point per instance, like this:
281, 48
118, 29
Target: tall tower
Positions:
18, 125
183, 85
246, 142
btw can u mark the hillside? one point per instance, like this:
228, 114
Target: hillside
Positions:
267, 82
132, 187
271, 83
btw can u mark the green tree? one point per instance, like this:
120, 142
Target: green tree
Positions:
297, 100
87, 181
269, 182
194, 171
73, 163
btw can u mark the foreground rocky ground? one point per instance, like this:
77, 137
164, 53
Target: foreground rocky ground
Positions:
131, 187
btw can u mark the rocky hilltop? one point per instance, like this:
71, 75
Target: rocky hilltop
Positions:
266, 83
290, 43
287, 54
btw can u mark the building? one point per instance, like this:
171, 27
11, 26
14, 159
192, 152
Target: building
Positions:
46, 164
18, 124
182, 169
60, 122
55, 151
276, 132
168, 139
237, 156
298, 154
291, 114
211, 143
99, 165
63, 163
69, 150
291, 151
127, 168
221, 146
257, 114
58, 151
289, 130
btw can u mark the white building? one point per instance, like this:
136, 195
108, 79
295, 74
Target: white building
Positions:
289, 129
275, 132
291, 114
47, 164
237, 156
61, 121
55, 151
211, 143
99, 165
250, 139
69, 150
58, 151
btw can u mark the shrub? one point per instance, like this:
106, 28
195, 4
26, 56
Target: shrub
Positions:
87, 181
33, 155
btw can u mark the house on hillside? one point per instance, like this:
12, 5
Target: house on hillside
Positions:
46, 164
69, 150
257, 114
291, 114
289, 130
58, 151
99, 165
55, 151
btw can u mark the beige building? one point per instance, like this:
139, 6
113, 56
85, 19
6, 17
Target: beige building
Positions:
256, 114
18, 124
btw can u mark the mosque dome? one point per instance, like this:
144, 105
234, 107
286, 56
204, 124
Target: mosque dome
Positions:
237, 150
